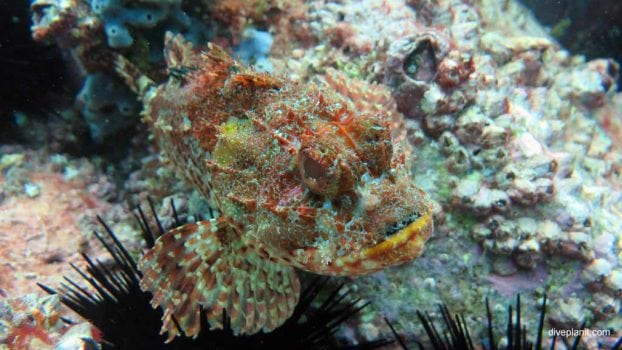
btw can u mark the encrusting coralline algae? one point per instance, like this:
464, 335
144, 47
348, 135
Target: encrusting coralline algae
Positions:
515, 141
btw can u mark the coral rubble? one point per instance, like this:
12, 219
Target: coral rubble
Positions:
33, 322
43, 204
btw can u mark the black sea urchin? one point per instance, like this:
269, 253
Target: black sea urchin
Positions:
455, 334
121, 310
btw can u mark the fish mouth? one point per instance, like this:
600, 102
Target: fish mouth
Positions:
404, 242
404, 239
398, 226
403, 245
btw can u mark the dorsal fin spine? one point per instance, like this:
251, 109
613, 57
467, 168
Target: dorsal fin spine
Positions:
133, 77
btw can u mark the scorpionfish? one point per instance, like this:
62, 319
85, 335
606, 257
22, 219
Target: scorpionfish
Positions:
311, 176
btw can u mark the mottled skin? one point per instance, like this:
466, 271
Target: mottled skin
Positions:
303, 176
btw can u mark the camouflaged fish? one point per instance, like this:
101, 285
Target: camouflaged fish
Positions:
304, 176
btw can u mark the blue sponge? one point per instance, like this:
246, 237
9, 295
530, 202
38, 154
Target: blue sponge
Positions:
118, 35
107, 105
254, 49
101, 7
143, 18
124, 18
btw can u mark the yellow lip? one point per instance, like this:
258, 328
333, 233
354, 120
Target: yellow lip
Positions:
411, 236
402, 247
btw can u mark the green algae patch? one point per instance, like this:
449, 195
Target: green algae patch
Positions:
233, 141
462, 221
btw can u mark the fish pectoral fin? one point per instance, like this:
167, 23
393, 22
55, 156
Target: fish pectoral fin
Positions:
191, 267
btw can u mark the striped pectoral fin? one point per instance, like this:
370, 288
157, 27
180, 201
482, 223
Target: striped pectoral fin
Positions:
190, 267
257, 294
173, 270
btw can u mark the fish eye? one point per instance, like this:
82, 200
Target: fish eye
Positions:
317, 173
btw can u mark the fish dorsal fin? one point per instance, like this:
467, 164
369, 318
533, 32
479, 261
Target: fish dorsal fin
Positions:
133, 77
206, 264
179, 53
366, 97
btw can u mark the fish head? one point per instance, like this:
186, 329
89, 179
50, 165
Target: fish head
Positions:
351, 206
